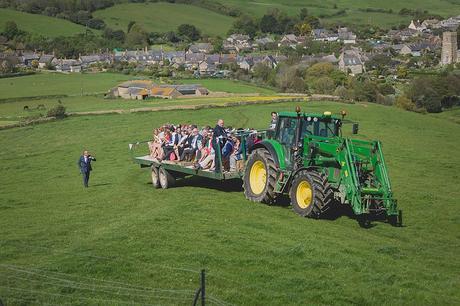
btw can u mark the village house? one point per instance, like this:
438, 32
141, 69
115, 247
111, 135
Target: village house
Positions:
200, 48
67, 65
324, 35
89, 60
45, 60
264, 41
27, 58
416, 49
346, 36
417, 26
245, 62
451, 23
291, 40
236, 43
312, 59
207, 68
352, 62
402, 35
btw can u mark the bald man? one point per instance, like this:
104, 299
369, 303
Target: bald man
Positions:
84, 163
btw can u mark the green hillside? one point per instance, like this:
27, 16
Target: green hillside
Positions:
39, 24
123, 242
163, 17
352, 7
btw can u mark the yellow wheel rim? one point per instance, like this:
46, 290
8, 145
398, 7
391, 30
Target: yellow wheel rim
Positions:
304, 194
258, 177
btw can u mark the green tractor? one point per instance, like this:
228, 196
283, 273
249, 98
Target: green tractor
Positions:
306, 157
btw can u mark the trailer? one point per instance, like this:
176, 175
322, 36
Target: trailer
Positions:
164, 173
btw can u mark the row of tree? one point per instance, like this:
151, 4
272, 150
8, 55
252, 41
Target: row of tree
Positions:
276, 22
75, 11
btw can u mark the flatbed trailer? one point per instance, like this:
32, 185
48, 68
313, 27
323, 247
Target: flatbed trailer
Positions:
164, 173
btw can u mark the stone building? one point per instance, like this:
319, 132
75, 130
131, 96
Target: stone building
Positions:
449, 48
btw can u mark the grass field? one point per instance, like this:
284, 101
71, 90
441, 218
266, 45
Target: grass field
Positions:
41, 85
166, 16
40, 24
353, 15
59, 84
121, 241
163, 17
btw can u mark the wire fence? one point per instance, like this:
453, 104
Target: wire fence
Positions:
32, 285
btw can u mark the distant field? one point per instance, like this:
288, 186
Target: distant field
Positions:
59, 84
228, 86
353, 16
39, 24
51, 84
162, 17
61, 244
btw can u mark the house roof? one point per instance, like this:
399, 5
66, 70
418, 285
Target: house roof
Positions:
45, 58
163, 91
137, 84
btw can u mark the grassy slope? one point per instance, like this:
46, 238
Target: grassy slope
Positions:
317, 7
71, 84
163, 17
39, 24
59, 84
122, 230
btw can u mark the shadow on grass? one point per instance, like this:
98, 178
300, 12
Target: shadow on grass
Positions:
233, 185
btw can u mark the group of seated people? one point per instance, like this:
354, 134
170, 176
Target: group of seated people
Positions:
188, 143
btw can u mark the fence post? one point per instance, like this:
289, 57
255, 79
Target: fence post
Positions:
203, 285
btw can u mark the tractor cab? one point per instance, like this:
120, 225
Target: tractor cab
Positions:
293, 127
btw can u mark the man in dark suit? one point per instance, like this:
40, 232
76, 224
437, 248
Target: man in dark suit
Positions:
84, 163
193, 147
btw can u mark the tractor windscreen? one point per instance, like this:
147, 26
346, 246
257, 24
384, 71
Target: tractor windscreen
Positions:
319, 127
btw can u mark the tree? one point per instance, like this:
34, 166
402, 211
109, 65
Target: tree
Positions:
303, 28
268, 24
320, 69
262, 72
130, 25
6, 67
405, 103
137, 37
312, 21
188, 32
96, 23
303, 13
11, 29
324, 85
245, 25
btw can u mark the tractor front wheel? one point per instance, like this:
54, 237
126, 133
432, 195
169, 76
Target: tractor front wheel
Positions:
260, 177
310, 193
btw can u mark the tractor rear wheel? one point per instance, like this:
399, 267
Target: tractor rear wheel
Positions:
311, 194
155, 177
166, 179
260, 177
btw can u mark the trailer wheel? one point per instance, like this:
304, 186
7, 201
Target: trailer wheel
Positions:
260, 177
155, 177
166, 179
311, 194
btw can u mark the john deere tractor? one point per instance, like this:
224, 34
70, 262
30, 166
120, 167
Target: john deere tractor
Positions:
307, 157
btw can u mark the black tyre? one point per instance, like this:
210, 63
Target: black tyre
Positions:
311, 194
260, 177
155, 177
166, 179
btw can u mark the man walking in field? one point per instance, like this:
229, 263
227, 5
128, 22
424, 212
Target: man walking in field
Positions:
84, 163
